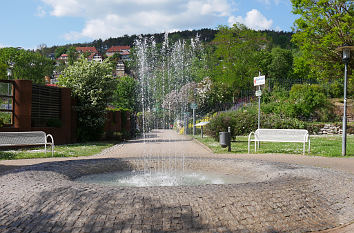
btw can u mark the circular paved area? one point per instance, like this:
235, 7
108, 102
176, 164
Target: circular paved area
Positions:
43, 196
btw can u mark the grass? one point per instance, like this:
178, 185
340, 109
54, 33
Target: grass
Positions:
329, 146
69, 150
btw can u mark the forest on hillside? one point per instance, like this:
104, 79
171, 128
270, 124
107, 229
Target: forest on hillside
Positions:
278, 38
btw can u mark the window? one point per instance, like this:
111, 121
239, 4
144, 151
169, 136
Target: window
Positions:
6, 102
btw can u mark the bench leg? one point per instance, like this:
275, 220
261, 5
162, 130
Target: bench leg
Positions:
255, 146
309, 146
304, 148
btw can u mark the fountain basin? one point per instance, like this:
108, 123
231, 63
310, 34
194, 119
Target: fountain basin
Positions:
172, 171
175, 178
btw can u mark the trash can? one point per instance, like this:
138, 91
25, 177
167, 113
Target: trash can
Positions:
224, 139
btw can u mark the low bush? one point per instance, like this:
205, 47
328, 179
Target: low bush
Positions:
220, 123
243, 122
276, 121
309, 101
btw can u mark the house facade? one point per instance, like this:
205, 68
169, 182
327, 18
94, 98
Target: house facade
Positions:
63, 58
123, 50
92, 51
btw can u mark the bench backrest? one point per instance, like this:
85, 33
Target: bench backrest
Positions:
22, 138
282, 135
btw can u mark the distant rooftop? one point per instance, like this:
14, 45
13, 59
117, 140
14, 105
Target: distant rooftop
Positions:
86, 49
118, 48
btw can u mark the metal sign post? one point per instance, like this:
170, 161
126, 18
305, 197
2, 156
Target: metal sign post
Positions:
186, 123
259, 108
194, 107
258, 81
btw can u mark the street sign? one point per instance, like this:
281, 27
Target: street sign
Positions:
194, 105
258, 93
260, 80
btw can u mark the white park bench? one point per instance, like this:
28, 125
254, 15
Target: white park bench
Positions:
279, 135
26, 139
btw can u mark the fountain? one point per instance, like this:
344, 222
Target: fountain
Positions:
163, 76
166, 90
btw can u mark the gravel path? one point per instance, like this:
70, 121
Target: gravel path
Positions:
289, 193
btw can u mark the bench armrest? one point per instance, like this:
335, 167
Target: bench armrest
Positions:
51, 143
249, 136
51, 139
249, 141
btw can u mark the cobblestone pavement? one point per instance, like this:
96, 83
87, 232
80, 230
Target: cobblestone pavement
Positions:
44, 196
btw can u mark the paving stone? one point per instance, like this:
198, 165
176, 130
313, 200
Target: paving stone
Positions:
283, 198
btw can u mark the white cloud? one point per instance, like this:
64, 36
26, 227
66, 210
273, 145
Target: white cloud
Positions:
254, 19
112, 18
217, 7
269, 2
64, 7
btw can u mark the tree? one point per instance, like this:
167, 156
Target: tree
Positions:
26, 64
263, 60
323, 26
203, 63
280, 68
302, 68
72, 55
236, 51
3, 71
92, 85
59, 51
124, 96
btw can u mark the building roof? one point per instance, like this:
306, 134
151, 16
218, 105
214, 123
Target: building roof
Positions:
63, 56
118, 48
86, 49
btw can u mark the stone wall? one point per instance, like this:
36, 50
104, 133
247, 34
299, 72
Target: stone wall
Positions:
330, 129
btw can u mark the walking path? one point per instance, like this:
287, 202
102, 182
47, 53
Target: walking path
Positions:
293, 193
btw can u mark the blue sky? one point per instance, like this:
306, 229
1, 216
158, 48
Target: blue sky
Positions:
29, 23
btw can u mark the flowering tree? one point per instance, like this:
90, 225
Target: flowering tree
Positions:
92, 85
176, 100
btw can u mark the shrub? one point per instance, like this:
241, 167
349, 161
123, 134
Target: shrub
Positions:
310, 103
5, 118
304, 101
244, 122
220, 123
276, 121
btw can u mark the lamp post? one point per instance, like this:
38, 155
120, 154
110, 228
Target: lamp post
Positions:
346, 57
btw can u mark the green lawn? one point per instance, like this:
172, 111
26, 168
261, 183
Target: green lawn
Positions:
330, 146
70, 150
